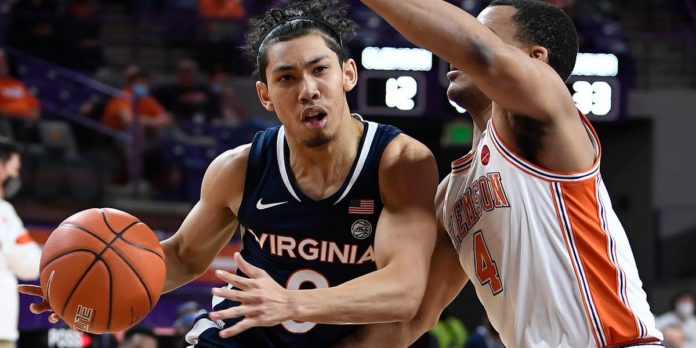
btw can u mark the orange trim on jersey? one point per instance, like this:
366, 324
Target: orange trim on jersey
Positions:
575, 268
461, 160
463, 163
24, 239
618, 322
530, 168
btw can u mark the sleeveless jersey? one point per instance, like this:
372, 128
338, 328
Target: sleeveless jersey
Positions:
303, 243
545, 251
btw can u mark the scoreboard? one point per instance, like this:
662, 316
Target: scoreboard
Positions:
402, 82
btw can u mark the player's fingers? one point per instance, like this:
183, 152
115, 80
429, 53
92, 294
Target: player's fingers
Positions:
234, 312
248, 269
32, 290
235, 280
235, 295
238, 328
37, 308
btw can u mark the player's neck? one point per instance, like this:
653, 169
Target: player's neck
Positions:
325, 167
480, 114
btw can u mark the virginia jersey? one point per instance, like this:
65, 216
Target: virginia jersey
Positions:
545, 251
304, 243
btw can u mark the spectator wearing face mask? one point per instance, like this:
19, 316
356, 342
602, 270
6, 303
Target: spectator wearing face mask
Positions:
681, 315
135, 106
19, 254
120, 114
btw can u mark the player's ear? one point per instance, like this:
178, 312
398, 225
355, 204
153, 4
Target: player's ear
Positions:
539, 52
262, 91
350, 75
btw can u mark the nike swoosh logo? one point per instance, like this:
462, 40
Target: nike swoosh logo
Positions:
261, 206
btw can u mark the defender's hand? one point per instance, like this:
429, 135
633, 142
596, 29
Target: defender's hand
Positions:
263, 302
38, 307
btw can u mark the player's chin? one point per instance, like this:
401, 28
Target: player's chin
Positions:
318, 140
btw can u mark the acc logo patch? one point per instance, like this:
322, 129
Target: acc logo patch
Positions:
361, 229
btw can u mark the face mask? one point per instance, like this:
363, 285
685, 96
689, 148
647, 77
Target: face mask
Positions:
11, 186
140, 90
685, 309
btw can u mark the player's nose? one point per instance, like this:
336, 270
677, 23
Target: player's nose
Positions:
309, 90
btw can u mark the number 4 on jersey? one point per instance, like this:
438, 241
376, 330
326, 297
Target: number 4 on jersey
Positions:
486, 270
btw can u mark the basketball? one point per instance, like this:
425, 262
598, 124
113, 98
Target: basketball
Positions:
102, 270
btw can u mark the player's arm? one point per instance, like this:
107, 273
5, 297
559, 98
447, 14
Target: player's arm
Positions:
211, 223
445, 280
404, 242
521, 83
19, 250
205, 231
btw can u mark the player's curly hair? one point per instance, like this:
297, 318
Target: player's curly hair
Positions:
540, 23
294, 20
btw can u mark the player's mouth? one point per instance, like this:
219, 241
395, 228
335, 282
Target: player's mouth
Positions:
453, 73
314, 117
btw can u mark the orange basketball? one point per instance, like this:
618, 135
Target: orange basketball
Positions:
102, 270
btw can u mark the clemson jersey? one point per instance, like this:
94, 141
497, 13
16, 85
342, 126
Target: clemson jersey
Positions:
545, 251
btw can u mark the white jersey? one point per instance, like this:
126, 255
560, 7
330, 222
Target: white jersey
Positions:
19, 258
546, 252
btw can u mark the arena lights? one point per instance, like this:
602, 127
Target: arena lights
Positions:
596, 64
392, 58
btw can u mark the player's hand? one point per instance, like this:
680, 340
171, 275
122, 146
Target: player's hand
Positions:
263, 302
38, 307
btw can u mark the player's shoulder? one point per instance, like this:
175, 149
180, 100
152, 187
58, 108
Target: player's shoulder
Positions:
232, 160
6, 207
405, 164
404, 150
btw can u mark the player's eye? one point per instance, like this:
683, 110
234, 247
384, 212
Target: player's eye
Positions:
321, 69
287, 77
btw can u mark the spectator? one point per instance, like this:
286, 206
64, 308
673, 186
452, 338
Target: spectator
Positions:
674, 337
221, 9
17, 102
80, 32
154, 122
19, 254
139, 337
185, 317
485, 336
681, 315
187, 99
33, 28
119, 112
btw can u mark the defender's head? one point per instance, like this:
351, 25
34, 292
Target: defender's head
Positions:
539, 28
304, 68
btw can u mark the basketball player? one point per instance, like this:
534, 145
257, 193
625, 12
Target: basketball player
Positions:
526, 209
328, 203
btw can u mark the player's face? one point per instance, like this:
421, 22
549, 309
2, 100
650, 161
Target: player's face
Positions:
306, 86
461, 88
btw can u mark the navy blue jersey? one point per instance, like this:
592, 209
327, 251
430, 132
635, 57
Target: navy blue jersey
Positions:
303, 243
